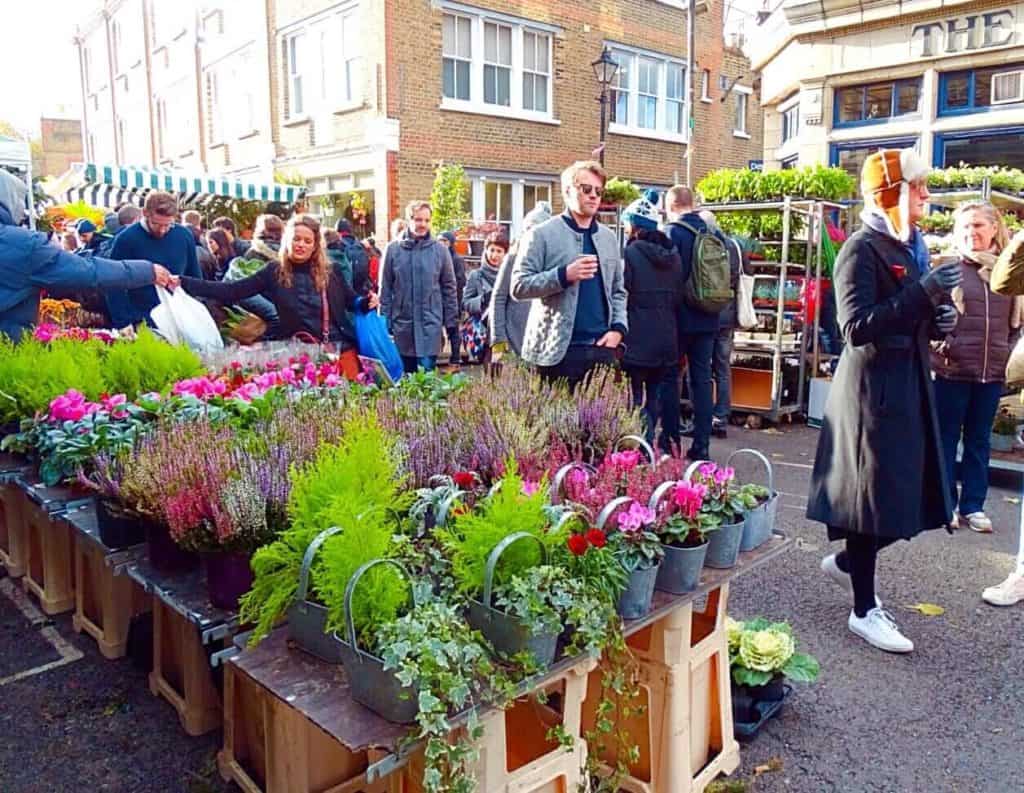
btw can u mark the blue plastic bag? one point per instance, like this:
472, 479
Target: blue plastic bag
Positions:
373, 341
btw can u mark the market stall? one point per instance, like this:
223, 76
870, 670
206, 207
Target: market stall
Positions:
16, 155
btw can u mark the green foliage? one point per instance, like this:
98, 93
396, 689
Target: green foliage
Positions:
147, 364
620, 191
475, 534
743, 185
32, 374
759, 650
448, 198
1007, 180
431, 387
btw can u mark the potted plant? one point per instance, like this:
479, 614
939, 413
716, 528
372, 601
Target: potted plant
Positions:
760, 504
683, 531
762, 655
721, 501
1004, 431
640, 552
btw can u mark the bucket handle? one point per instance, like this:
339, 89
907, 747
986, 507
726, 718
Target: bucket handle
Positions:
693, 467
307, 561
495, 555
641, 442
350, 588
562, 473
659, 493
767, 465
610, 508
567, 516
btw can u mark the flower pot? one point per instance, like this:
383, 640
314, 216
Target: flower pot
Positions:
117, 528
228, 577
724, 546
1001, 443
370, 684
751, 709
307, 621
476, 247
758, 523
680, 569
772, 691
507, 634
164, 553
635, 601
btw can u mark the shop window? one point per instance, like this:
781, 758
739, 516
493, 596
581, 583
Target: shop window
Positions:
790, 122
998, 147
876, 102
850, 156
981, 90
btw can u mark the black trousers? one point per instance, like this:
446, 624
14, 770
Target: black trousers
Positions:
859, 560
579, 361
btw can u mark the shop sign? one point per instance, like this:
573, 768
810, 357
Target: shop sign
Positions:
965, 34
755, 165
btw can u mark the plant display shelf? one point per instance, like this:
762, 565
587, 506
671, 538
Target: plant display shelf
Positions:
49, 569
685, 736
12, 531
766, 390
187, 631
106, 598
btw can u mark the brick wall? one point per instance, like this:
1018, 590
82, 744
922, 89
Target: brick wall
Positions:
61, 141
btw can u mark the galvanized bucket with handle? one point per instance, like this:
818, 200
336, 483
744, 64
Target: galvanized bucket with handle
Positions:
507, 634
307, 621
371, 685
724, 544
680, 569
759, 521
635, 600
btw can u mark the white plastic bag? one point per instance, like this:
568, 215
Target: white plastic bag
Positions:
182, 319
746, 317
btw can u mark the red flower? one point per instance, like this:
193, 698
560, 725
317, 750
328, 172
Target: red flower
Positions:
577, 544
898, 270
464, 480
597, 538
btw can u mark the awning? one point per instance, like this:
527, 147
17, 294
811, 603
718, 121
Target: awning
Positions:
114, 185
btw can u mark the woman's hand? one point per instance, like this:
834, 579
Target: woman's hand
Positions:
162, 277
372, 301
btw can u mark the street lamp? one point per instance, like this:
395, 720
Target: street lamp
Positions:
605, 69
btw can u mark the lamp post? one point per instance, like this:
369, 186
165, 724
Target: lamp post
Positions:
605, 69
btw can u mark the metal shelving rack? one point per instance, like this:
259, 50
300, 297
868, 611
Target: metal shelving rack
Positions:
778, 348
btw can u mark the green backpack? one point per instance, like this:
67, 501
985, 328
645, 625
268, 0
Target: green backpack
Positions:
708, 287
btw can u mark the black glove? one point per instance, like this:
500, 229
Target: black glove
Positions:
945, 278
945, 318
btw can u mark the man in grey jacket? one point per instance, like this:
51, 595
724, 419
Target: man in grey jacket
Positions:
417, 291
571, 268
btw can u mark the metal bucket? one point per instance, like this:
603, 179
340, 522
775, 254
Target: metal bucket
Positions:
370, 684
307, 621
760, 521
724, 545
635, 601
680, 569
558, 482
507, 634
635, 441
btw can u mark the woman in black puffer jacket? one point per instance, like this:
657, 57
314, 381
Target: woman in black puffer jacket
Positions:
654, 283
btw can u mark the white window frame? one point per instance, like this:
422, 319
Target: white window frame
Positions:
457, 58
705, 85
478, 196
784, 110
293, 72
535, 73
520, 27
497, 63
631, 89
745, 92
1019, 74
215, 133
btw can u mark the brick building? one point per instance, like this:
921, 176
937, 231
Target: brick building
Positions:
363, 98
60, 142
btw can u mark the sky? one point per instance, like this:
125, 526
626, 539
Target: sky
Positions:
39, 62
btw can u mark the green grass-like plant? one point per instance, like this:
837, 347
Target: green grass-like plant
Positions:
147, 364
32, 374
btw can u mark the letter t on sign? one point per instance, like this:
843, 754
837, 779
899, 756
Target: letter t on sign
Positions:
996, 33
927, 41
953, 32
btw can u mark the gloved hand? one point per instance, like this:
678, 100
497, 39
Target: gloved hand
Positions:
944, 278
945, 318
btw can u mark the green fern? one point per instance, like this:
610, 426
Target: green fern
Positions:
476, 533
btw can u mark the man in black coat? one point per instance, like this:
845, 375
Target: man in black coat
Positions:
357, 257
447, 238
879, 474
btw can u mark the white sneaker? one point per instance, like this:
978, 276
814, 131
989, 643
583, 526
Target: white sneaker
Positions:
979, 522
1008, 593
954, 522
879, 629
830, 568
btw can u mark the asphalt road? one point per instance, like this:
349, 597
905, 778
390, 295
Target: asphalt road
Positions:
946, 719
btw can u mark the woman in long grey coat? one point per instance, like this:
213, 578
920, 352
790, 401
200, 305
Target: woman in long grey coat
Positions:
417, 294
508, 316
879, 475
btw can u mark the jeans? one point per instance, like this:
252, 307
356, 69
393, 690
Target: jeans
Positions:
968, 408
721, 366
698, 349
578, 362
644, 382
425, 362
455, 340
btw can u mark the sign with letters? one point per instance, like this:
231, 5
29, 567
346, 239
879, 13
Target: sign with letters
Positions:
964, 34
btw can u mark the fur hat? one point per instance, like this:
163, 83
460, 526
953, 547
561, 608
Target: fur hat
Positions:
885, 183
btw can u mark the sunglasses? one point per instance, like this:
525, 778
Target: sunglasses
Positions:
589, 189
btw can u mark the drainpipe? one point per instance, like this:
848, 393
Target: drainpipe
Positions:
691, 44
78, 41
200, 104
118, 143
147, 44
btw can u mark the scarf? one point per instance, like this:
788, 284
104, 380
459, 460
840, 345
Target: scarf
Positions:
984, 261
876, 220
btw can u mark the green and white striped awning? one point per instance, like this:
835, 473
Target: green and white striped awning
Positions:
114, 185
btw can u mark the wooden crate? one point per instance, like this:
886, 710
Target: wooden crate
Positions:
181, 671
49, 567
685, 734
104, 601
751, 388
13, 550
270, 747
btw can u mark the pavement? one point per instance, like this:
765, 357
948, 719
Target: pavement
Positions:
946, 719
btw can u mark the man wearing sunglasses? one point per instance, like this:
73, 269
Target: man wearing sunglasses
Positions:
570, 266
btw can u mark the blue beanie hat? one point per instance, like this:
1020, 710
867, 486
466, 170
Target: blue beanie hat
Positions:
642, 214
84, 226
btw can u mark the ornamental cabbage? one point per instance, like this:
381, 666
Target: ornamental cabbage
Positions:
766, 650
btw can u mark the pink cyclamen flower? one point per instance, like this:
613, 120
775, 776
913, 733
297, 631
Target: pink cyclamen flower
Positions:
629, 459
70, 406
634, 519
708, 470
247, 392
116, 405
46, 332
332, 380
530, 488
724, 475
577, 478
689, 498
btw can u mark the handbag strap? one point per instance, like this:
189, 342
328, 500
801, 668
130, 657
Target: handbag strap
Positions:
325, 317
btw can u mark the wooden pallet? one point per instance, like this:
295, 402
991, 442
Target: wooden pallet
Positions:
685, 735
270, 747
49, 568
13, 550
181, 671
105, 602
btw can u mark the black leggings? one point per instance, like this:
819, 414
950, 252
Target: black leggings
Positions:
858, 560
